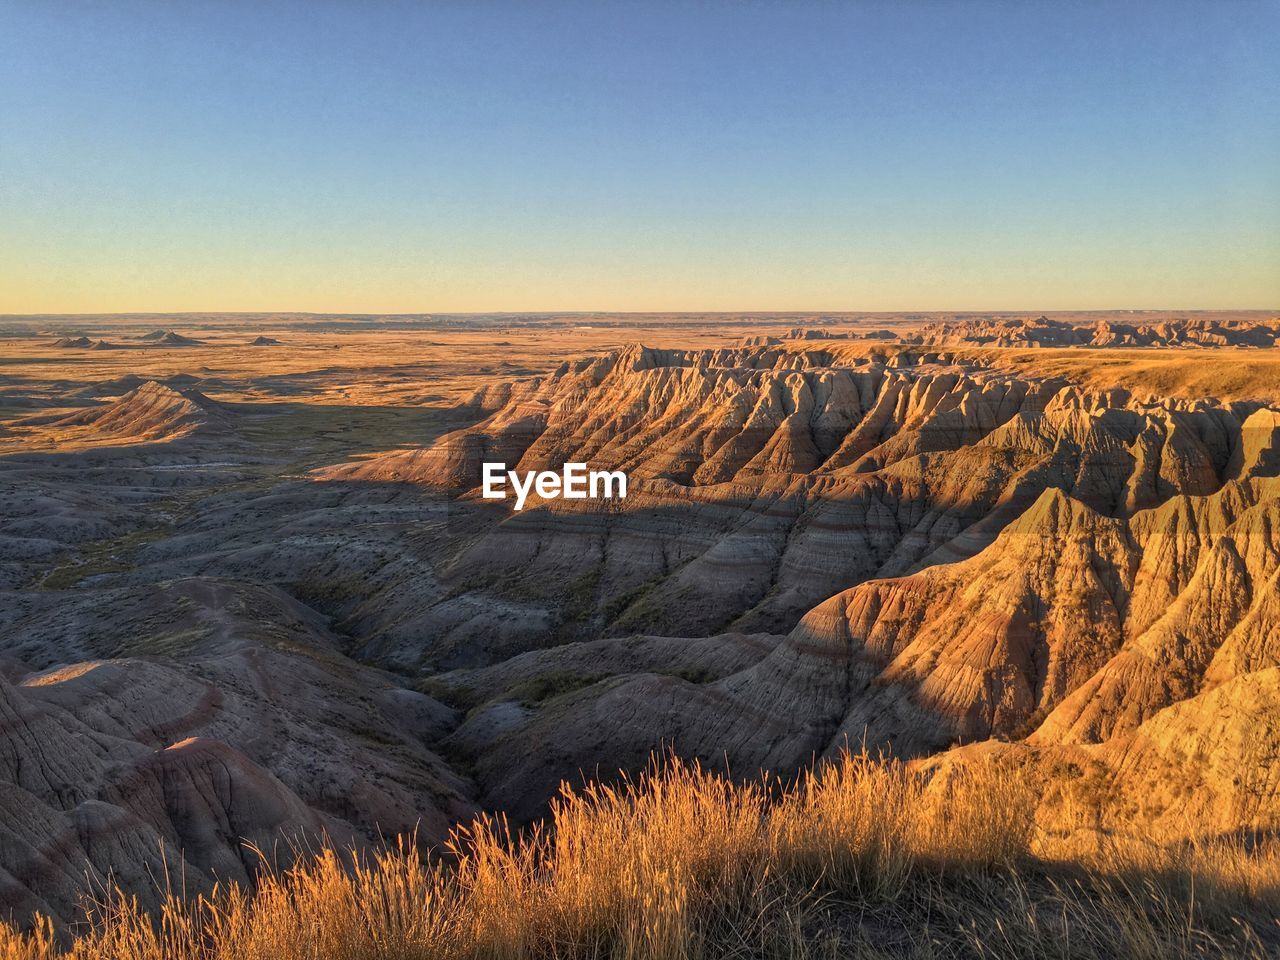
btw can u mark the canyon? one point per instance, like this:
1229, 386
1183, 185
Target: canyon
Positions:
253, 591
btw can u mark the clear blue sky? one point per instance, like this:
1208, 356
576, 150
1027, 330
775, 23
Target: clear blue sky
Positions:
385, 156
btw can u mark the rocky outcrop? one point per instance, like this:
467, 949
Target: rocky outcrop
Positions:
981, 556
824, 544
170, 338
207, 720
1043, 332
149, 412
74, 798
1207, 764
1141, 642
764, 480
1201, 612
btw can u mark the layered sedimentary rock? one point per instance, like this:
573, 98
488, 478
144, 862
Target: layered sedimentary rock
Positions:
196, 727
1060, 631
1002, 557
1043, 332
149, 412
764, 480
823, 545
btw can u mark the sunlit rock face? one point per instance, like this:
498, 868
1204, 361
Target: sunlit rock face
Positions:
1043, 332
944, 554
764, 480
231, 620
148, 413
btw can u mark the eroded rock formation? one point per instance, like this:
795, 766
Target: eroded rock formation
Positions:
823, 546
1043, 332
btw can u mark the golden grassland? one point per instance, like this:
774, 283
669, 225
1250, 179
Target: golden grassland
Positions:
343, 367
1223, 374
864, 859
410, 367
1185, 373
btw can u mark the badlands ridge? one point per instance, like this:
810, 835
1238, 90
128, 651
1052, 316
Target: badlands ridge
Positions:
236, 609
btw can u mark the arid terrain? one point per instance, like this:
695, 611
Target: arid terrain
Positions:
251, 598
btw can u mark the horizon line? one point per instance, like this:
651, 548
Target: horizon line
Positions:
636, 313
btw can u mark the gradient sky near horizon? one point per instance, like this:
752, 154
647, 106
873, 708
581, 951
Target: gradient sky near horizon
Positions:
416, 157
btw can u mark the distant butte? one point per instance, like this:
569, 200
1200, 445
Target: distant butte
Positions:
171, 338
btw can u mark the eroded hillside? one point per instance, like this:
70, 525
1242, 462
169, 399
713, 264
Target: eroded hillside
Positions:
765, 480
265, 603
1010, 558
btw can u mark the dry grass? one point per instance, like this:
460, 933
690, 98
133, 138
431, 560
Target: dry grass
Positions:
864, 859
1222, 373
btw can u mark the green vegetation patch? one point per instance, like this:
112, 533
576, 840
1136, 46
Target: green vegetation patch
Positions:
104, 556
546, 687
